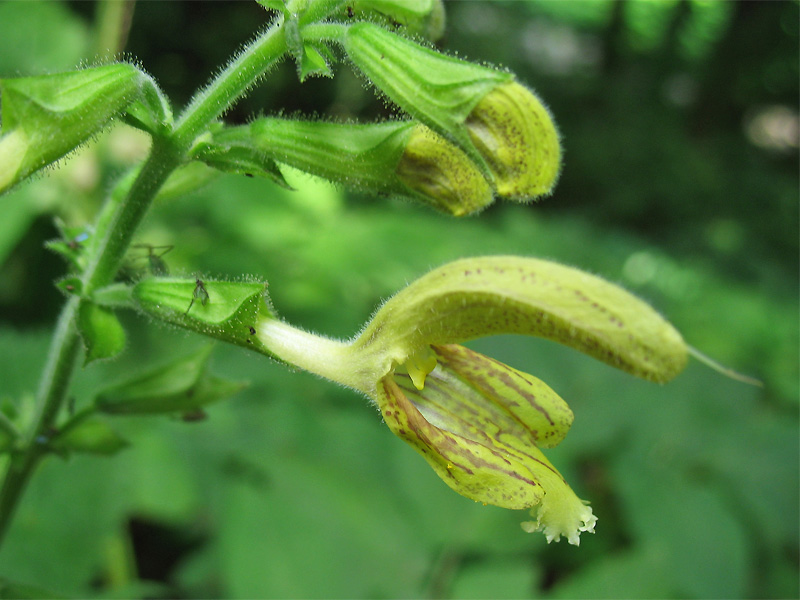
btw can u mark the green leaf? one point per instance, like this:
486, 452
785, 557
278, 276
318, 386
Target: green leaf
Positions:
103, 334
183, 385
23, 591
88, 435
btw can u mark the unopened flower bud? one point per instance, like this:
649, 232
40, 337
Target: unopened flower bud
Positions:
497, 122
442, 174
514, 133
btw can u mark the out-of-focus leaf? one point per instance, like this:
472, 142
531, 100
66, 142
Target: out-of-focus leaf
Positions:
704, 546
181, 386
18, 215
11, 590
39, 37
90, 435
639, 573
503, 577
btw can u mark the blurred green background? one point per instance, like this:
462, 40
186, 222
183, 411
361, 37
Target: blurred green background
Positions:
680, 181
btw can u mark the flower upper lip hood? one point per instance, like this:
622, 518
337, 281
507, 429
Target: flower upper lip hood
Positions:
477, 297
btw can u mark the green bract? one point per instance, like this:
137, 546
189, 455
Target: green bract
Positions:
46, 117
500, 124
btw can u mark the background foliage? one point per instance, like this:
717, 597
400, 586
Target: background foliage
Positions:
680, 126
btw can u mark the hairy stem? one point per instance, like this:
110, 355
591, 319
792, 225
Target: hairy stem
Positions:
114, 230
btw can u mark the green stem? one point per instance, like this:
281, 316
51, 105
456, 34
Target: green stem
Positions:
115, 228
231, 84
325, 32
64, 350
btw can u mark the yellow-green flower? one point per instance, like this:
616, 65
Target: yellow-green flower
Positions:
479, 423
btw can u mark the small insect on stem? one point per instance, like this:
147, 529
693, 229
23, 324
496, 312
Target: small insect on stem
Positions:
200, 292
154, 254
75, 243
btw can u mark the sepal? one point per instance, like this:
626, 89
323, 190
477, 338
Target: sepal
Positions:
438, 90
233, 150
151, 112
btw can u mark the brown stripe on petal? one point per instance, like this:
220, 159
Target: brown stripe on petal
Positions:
527, 401
482, 473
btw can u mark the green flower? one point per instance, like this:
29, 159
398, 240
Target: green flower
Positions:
480, 424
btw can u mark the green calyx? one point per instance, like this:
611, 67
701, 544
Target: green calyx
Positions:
399, 158
225, 310
425, 18
501, 125
438, 90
